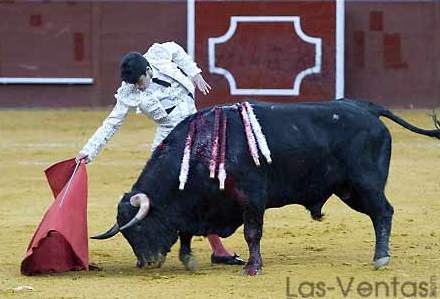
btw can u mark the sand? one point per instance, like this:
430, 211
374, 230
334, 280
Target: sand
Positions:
301, 256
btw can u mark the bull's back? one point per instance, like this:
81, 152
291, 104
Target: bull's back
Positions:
320, 126
309, 146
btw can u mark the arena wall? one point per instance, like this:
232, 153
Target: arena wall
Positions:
78, 39
393, 52
391, 48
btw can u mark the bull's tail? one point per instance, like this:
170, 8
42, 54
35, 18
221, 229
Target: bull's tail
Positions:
382, 111
431, 133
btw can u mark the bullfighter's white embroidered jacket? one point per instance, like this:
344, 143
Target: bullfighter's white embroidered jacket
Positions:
167, 60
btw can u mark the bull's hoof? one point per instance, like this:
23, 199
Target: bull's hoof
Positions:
189, 262
160, 260
140, 264
251, 271
381, 262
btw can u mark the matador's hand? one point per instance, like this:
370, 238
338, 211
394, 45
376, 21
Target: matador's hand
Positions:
81, 157
201, 84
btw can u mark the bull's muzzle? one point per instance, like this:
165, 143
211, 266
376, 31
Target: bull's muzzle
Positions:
155, 262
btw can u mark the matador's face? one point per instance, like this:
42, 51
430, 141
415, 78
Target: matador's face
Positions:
144, 80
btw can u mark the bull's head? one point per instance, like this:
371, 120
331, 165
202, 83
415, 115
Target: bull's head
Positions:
149, 236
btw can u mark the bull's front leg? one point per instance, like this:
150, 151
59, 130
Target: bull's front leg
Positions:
253, 230
185, 254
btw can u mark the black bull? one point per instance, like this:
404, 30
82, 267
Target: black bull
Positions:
318, 149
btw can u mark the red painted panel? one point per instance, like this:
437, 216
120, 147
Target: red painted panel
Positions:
376, 21
267, 55
35, 20
270, 61
78, 39
392, 56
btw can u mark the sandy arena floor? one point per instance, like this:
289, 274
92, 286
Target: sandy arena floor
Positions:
296, 250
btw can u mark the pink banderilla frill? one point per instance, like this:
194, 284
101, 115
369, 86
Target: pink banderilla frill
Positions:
254, 136
249, 135
221, 167
215, 137
184, 167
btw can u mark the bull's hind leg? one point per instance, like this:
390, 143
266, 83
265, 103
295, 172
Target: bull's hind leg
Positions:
185, 254
382, 219
380, 211
253, 230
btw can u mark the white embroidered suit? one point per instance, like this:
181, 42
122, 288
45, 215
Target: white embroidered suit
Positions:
165, 59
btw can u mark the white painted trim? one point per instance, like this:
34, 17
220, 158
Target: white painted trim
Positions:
340, 45
28, 80
212, 41
190, 28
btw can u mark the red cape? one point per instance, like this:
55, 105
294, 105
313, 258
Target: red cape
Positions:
60, 242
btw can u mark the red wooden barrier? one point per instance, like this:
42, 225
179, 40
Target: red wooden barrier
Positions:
281, 51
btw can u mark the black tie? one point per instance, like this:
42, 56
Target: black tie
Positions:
161, 82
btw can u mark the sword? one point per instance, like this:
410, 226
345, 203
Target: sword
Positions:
70, 181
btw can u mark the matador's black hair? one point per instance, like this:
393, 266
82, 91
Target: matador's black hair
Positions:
133, 65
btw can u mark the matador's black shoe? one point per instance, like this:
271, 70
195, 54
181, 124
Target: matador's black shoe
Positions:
227, 260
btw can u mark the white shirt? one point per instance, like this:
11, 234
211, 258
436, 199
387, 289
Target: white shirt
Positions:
165, 60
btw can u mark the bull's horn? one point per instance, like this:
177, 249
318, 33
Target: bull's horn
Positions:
143, 202
108, 234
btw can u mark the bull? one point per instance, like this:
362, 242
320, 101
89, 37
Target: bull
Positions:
319, 149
